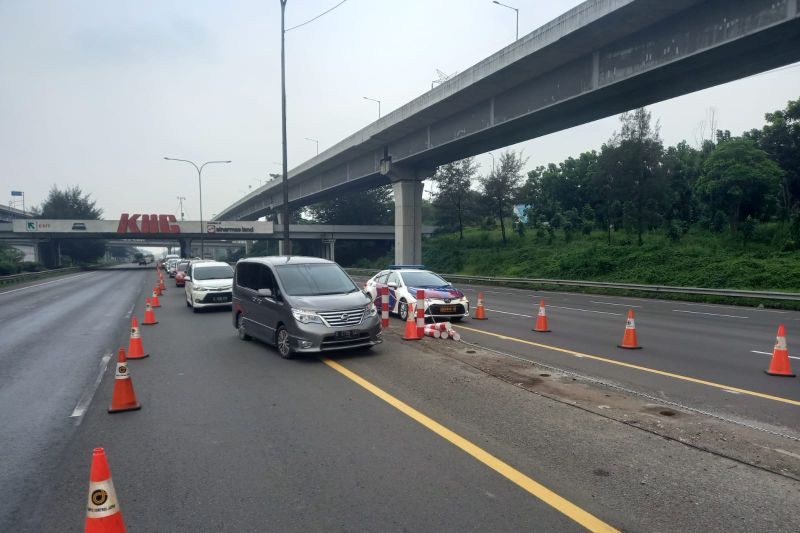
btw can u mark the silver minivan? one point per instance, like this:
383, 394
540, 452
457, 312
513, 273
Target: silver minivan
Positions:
302, 304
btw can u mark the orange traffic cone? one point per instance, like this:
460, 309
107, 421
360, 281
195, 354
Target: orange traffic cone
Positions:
102, 508
411, 326
480, 312
629, 339
779, 366
123, 398
541, 319
135, 348
161, 286
149, 315
157, 289
154, 299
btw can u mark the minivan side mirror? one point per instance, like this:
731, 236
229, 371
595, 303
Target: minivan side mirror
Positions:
265, 292
392, 285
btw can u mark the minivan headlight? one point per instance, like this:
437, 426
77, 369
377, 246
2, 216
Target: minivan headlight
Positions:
371, 309
306, 317
199, 289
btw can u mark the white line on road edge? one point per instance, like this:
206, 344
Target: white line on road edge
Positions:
130, 311
609, 303
45, 283
710, 314
770, 353
88, 394
507, 313
585, 310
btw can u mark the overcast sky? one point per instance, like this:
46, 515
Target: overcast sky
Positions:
96, 93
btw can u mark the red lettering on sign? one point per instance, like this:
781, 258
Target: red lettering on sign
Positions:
148, 223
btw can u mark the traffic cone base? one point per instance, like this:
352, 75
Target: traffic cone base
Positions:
779, 364
123, 397
102, 507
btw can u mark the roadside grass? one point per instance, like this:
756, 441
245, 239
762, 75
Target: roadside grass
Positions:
699, 259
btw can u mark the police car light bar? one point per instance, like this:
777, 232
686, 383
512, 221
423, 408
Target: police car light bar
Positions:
401, 267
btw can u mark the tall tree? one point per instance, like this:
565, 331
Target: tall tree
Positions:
374, 206
71, 203
780, 138
740, 179
633, 166
453, 182
501, 186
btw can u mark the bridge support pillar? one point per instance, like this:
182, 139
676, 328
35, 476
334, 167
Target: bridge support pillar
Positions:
329, 249
407, 186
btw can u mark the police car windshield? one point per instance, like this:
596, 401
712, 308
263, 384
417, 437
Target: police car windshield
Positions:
422, 279
213, 272
315, 279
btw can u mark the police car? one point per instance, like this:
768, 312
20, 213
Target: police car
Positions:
442, 300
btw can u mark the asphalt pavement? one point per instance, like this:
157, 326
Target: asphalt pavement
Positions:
231, 437
728, 347
54, 334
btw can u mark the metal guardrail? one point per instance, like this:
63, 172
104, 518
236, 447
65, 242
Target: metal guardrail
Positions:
739, 293
25, 276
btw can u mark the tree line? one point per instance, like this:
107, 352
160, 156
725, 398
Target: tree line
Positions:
636, 184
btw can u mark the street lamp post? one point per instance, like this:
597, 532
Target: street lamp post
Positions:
287, 243
377, 101
509, 7
200, 184
314, 141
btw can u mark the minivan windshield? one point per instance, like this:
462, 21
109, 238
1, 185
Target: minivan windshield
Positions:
314, 279
423, 279
213, 272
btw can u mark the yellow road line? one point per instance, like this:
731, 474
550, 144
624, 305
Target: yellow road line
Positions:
549, 497
637, 367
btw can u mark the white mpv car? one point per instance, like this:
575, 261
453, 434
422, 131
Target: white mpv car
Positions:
208, 284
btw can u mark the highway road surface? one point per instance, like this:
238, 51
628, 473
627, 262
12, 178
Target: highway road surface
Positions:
406, 437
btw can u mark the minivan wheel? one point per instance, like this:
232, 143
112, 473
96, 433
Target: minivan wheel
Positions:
282, 343
402, 310
240, 327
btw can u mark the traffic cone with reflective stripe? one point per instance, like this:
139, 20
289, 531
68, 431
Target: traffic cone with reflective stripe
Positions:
420, 312
154, 299
541, 319
480, 312
102, 508
410, 333
135, 348
629, 339
123, 398
779, 366
157, 289
149, 315
161, 286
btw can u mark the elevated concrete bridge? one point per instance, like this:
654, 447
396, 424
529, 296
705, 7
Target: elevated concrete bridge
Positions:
601, 58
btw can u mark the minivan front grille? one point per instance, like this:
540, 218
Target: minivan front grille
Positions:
346, 317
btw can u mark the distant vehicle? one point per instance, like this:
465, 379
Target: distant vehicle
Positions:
163, 262
79, 226
180, 273
172, 263
442, 300
208, 284
302, 304
142, 260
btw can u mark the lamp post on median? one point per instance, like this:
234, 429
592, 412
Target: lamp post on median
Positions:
200, 184
509, 7
377, 101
